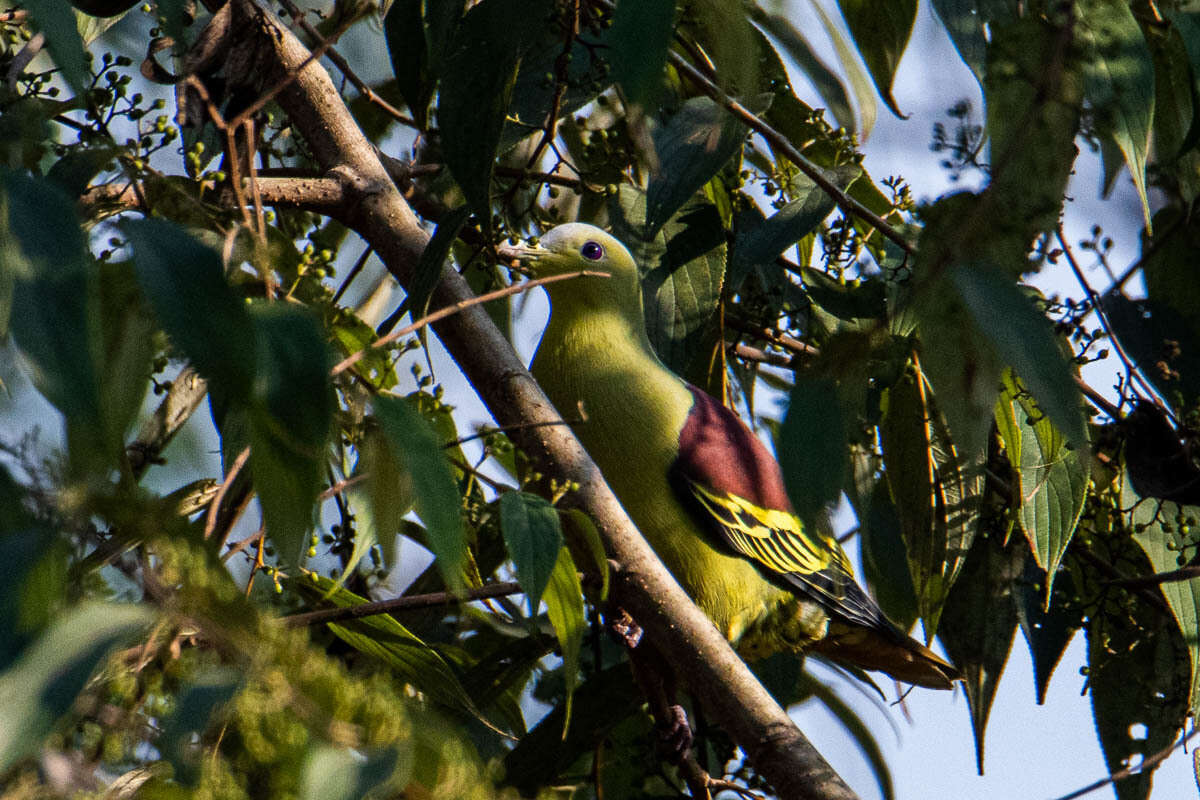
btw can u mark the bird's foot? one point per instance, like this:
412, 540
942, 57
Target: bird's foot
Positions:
625, 629
674, 735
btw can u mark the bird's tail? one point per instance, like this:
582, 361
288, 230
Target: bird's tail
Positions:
890, 651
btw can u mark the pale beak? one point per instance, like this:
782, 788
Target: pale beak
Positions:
519, 253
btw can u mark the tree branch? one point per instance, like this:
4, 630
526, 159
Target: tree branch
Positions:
686, 637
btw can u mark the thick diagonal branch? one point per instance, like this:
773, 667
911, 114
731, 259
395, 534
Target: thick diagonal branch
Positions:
379, 213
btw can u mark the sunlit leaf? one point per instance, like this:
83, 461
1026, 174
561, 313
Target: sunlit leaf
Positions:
881, 29
1119, 82
564, 606
418, 451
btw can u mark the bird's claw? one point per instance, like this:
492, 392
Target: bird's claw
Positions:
674, 735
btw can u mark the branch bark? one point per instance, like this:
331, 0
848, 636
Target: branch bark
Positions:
377, 211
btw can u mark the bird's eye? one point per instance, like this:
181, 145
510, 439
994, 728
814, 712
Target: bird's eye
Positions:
592, 251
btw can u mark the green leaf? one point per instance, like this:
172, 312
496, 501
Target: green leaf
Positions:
1138, 696
1119, 82
43, 683
1051, 482
853, 725
979, 623
342, 773
1156, 526
196, 707
404, 33
582, 531
825, 80
968, 23
885, 558
693, 146
564, 606
812, 446
477, 80
682, 268
641, 36
533, 538
881, 29
801, 216
1046, 632
57, 20
417, 450
1025, 340
289, 438
185, 284
128, 329
381, 636
52, 316
428, 273
935, 489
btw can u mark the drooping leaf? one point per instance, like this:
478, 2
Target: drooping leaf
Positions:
417, 451
641, 36
968, 23
979, 623
1160, 529
1047, 632
885, 558
936, 492
410, 659
682, 268
856, 727
42, 684
57, 21
288, 438
826, 81
564, 606
127, 329
881, 29
1050, 485
533, 538
477, 80
1119, 82
693, 146
812, 445
404, 32
184, 283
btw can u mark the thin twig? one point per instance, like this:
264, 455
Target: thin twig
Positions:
210, 522
400, 604
1122, 774
442, 313
1158, 579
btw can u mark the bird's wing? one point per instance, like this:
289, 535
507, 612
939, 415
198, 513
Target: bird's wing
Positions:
734, 487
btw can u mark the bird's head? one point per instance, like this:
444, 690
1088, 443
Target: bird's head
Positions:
604, 272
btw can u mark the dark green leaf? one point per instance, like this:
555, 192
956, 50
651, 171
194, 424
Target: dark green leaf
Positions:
289, 436
1152, 331
74, 171
533, 538
858, 730
128, 329
825, 80
968, 23
197, 706
404, 32
980, 621
43, 683
1046, 632
935, 489
800, 217
1050, 481
185, 285
381, 636
1119, 82
52, 317
1025, 340
418, 451
477, 80
641, 36
694, 145
56, 19
32, 594
881, 29
885, 558
564, 606
682, 268
812, 446
1157, 528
